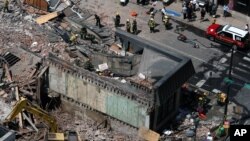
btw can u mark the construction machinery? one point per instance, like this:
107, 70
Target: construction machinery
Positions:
53, 135
24, 104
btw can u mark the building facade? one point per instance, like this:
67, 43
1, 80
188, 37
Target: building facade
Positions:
242, 6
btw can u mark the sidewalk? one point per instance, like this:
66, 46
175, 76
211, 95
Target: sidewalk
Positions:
239, 20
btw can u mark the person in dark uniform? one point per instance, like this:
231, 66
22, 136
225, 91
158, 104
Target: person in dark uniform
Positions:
128, 26
203, 13
117, 20
98, 21
134, 26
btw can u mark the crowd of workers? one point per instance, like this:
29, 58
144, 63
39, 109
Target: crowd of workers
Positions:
189, 9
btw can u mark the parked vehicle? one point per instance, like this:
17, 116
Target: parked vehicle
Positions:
229, 35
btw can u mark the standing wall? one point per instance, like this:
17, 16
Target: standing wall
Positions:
98, 98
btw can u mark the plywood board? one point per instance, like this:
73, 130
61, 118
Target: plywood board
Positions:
148, 134
46, 18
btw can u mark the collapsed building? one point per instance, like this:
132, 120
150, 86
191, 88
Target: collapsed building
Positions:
142, 89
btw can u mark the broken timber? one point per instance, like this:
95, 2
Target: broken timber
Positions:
46, 18
148, 134
16, 92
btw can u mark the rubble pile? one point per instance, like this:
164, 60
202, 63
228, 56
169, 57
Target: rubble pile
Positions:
19, 29
89, 129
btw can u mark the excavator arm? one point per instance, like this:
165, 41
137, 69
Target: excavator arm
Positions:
24, 104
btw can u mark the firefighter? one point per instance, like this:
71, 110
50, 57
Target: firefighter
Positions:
151, 24
166, 22
117, 20
128, 25
134, 26
6, 6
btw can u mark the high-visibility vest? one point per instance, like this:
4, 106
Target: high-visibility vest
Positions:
151, 23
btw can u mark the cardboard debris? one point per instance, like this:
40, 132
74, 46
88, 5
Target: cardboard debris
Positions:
103, 67
46, 18
148, 134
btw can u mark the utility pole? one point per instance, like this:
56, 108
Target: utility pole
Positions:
229, 85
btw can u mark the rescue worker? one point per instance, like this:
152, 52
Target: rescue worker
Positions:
246, 27
134, 26
6, 6
203, 13
201, 103
163, 13
98, 21
214, 20
73, 38
117, 20
84, 32
152, 14
151, 24
128, 25
166, 22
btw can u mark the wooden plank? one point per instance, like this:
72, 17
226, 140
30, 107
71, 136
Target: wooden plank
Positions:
26, 92
32, 73
30, 122
20, 114
7, 71
27, 83
46, 18
148, 134
38, 90
43, 71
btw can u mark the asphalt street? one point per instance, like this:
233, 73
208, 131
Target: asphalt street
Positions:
211, 60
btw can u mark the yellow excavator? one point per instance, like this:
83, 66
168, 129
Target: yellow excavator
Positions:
24, 104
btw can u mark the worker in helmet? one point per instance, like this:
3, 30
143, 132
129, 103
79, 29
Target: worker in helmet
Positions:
152, 14
73, 38
152, 24
117, 20
166, 22
6, 6
134, 26
128, 25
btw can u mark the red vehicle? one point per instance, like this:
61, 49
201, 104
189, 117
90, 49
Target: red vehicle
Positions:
228, 35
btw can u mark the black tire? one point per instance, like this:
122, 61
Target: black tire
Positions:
176, 31
211, 38
235, 46
180, 38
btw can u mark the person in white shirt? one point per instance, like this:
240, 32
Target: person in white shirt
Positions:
246, 27
163, 12
194, 4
